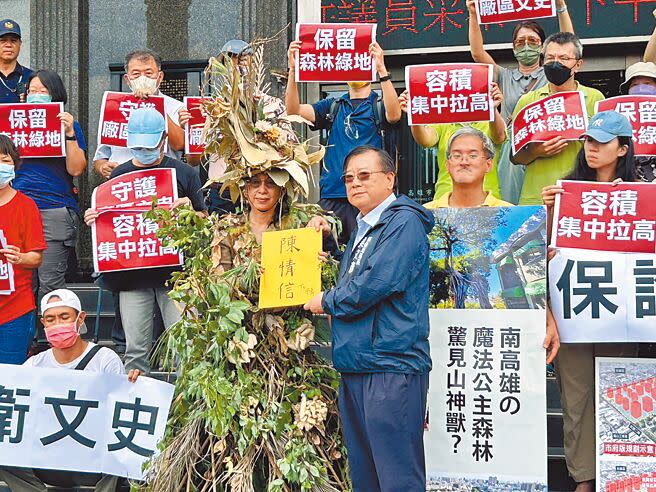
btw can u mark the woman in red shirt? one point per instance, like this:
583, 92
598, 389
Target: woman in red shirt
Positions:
20, 253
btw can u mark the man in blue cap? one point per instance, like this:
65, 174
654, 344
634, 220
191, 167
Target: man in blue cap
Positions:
13, 76
140, 290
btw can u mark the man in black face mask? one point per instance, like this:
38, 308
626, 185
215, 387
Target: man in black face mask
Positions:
552, 160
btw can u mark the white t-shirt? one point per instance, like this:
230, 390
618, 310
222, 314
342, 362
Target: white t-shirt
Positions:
123, 154
105, 360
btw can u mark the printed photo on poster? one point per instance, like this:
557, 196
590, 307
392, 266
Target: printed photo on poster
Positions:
626, 424
488, 258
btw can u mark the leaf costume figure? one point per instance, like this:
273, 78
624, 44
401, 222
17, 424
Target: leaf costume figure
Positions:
255, 406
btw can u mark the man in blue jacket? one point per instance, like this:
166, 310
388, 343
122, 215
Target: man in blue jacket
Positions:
380, 326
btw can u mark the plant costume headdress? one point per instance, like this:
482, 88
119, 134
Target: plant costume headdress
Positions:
240, 130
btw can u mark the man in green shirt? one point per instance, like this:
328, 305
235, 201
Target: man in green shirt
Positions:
431, 135
552, 160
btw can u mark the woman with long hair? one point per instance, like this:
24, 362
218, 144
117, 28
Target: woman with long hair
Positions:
607, 157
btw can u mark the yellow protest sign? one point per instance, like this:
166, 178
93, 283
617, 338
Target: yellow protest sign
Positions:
292, 269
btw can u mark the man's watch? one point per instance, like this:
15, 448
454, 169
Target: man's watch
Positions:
385, 78
73, 138
561, 10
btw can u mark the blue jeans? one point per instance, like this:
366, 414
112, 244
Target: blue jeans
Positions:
15, 339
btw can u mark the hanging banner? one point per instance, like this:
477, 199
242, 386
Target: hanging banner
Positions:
114, 114
80, 421
292, 269
194, 142
123, 238
449, 93
605, 217
34, 128
487, 391
335, 53
563, 114
605, 297
501, 11
626, 433
6, 270
641, 112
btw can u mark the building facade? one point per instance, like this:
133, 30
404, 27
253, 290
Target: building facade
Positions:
87, 40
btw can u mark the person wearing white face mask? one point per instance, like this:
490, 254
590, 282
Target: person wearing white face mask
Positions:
20, 224
143, 75
141, 290
63, 321
49, 182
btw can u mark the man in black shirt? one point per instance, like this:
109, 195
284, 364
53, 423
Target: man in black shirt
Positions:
140, 290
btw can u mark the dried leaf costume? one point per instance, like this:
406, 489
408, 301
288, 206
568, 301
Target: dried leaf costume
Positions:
255, 406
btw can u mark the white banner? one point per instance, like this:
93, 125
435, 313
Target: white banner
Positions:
80, 421
626, 429
487, 400
604, 297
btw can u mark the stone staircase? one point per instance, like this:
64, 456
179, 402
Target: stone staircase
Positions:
100, 319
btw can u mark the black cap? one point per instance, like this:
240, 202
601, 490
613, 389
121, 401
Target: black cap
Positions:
237, 47
9, 26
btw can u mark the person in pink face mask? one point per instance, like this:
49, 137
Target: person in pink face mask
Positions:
63, 320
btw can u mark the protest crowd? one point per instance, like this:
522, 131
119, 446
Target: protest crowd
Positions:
518, 133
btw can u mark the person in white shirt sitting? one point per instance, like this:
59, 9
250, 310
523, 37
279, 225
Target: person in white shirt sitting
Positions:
63, 320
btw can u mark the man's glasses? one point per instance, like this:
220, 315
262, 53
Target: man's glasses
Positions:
362, 176
562, 59
457, 157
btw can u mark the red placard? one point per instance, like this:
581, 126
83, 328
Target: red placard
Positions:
6, 270
641, 112
194, 143
115, 112
34, 128
449, 93
123, 239
605, 217
560, 115
500, 11
335, 53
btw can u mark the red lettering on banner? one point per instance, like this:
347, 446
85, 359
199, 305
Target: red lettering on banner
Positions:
335, 52
355, 11
443, 14
606, 217
400, 14
194, 142
34, 128
562, 114
123, 238
588, 16
636, 4
641, 113
114, 114
449, 93
499, 11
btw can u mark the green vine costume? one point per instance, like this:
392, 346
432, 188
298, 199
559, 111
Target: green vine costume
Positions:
255, 407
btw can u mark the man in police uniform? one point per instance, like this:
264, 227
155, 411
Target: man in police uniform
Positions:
13, 76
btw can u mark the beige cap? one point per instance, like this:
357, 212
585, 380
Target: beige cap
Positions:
640, 69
